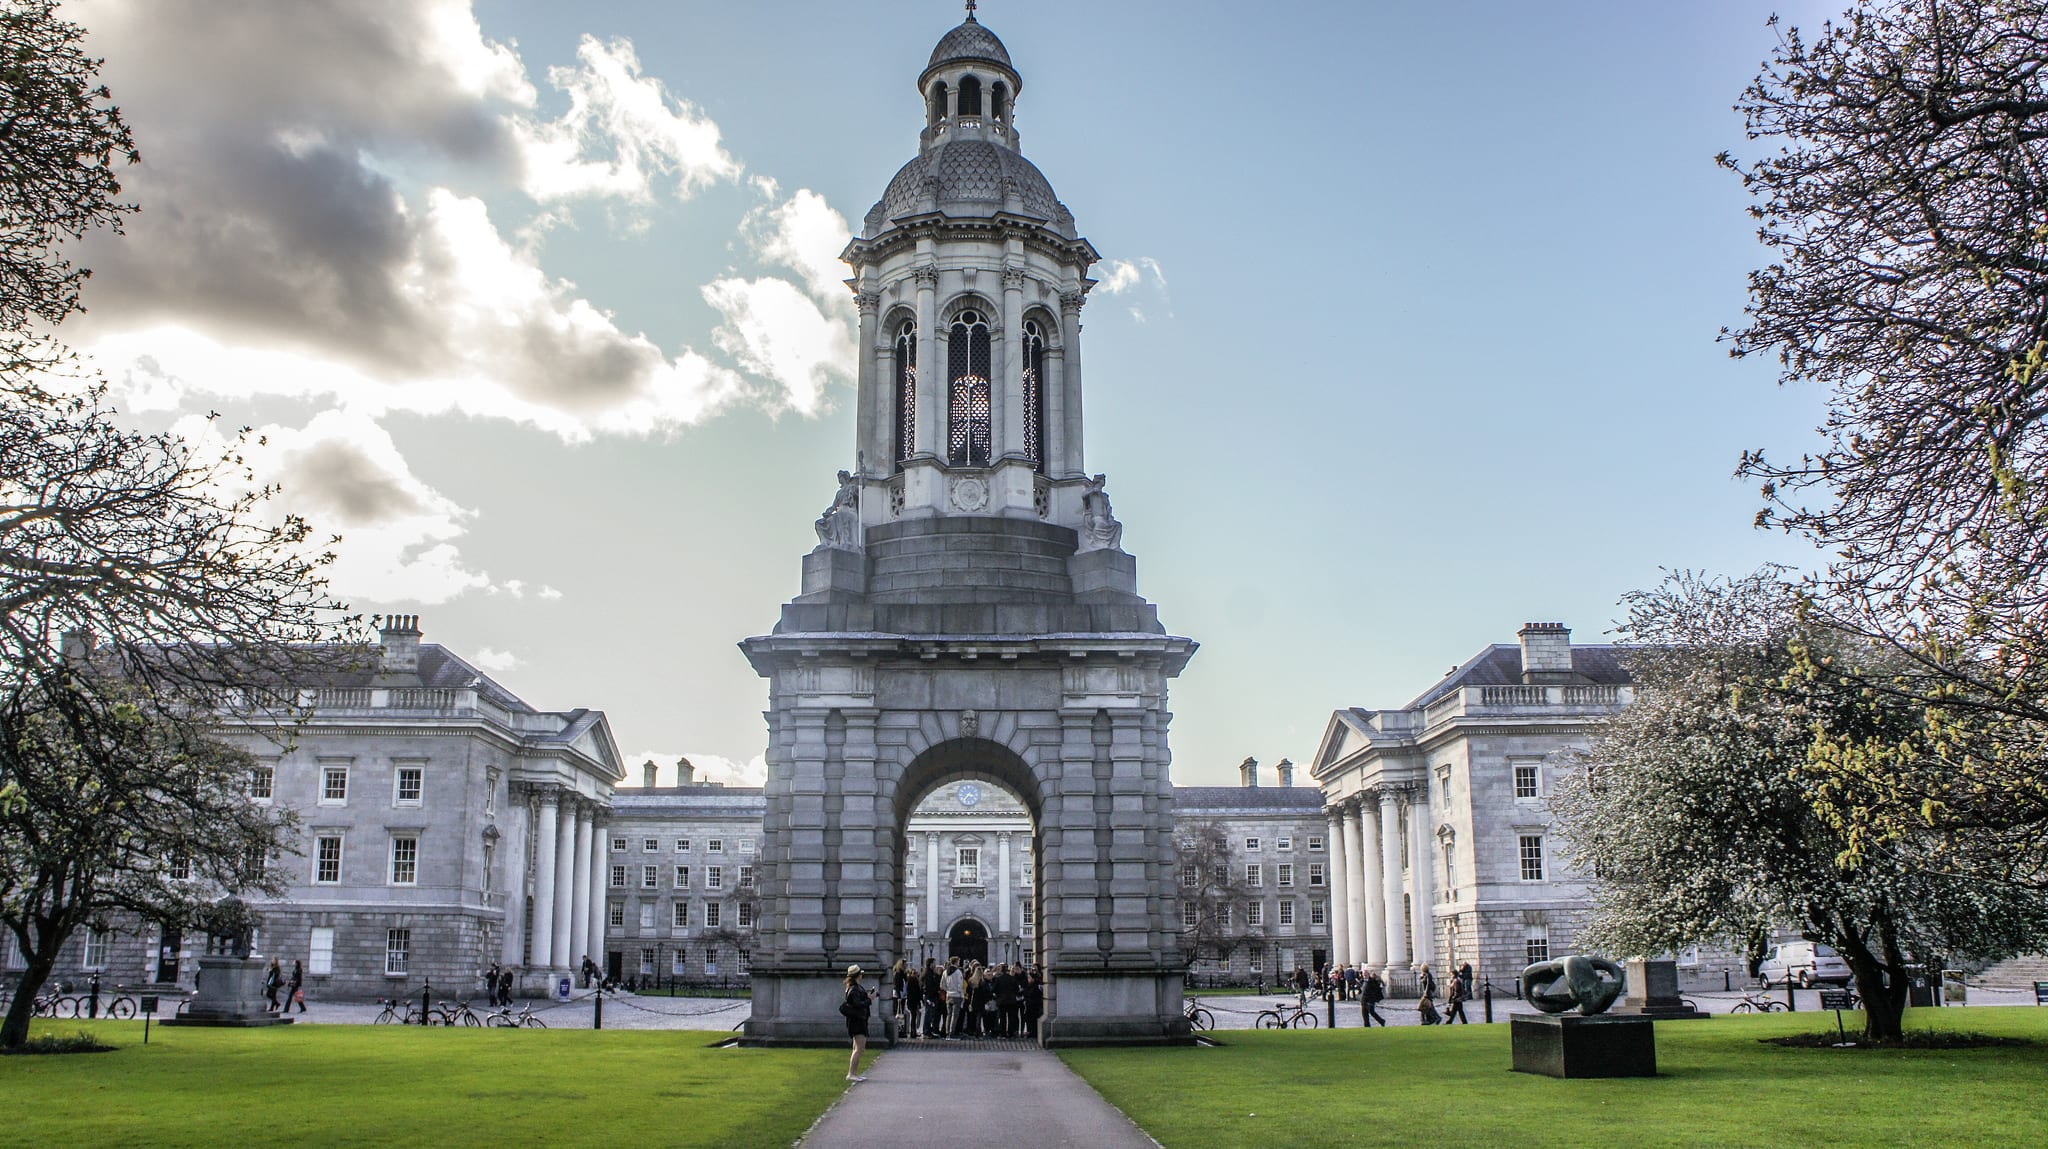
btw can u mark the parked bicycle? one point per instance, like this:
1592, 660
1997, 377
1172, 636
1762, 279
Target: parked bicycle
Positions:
456, 1013
506, 1019
397, 1012
1751, 1003
1198, 1017
1290, 1015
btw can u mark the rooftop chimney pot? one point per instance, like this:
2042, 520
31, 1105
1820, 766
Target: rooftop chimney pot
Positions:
1546, 652
1248, 772
647, 774
686, 774
1286, 769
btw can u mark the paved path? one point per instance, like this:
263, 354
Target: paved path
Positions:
944, 1098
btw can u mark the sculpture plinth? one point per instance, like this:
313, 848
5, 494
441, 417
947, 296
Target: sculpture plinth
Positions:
1653, 992
230, 995
1572, 1045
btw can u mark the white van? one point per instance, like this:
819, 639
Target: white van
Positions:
1802, 962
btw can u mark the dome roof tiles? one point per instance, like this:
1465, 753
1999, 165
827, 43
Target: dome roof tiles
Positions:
970, 41
967, 178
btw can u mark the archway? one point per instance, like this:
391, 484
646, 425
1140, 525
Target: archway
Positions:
967, 941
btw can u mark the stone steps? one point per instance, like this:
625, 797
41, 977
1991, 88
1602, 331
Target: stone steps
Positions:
2015, 973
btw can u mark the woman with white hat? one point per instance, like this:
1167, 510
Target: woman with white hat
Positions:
855, 1010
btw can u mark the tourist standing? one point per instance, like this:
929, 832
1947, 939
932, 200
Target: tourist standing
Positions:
1009, 999
297, 987
855, 1009
505, 987
1425, 983
934, 999
1371, 991
273, 980
900, 989
956, 985
1034, 1003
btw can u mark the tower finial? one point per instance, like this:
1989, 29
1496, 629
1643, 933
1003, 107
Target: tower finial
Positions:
970, 10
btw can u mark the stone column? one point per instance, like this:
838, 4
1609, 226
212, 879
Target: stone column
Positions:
1354, 891
1390, 877
931, 374
579, 902
1054, 437
1003, 882
1340, 916
546, 839
1422, 867
931, 882
596, 886
565, 881
517, 843
1009, 392
1366, 877
1070, 382
873, 427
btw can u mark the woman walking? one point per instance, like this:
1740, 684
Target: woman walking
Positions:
855, 1010
273, 980
900, 987
1459, 994
296, 986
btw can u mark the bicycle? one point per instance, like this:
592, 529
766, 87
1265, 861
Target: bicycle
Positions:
1198, 1017
450, 1013
397, 1012
1288, 1016
524, 1019
1753, 1004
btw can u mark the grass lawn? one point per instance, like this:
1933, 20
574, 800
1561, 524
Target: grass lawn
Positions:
307, 1085
1717, 1086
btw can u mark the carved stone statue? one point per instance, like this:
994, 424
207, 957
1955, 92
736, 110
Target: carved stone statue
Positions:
1099, 529
839, 526
1591, 984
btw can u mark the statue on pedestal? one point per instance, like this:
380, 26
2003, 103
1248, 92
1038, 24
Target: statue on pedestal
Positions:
839, 526
1099, 529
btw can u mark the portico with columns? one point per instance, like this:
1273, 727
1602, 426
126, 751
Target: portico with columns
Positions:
556, 848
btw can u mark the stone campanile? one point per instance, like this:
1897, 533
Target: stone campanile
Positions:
969, 611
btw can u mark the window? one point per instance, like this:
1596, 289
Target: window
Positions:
968, 398
746, 959
1315, 843
262, 782
1450, 873
714, 877
1255, 913
1190, 915
682, 878
181, 868
910, 916
647, 962
905, 366
1027, 919
1220, 874
746, 845
682, 845
1034, 394
1251, 844
746, 911
333, 785
615, 915
407, 792
679, 915
714, 915
1287, 914
650, 877
1315, 874
397, 952
618, 845
646, 917
1532, 857
320, 952
1527, 780
1319, 913
95, 949
680, 963
1191, 876
969, 871
650, 845
746, 877
1283, 874
1443, 787
1255, 875
1258, 958
405, 860
710, 963
715, 845
327, 860
618, 877
1536, 944
490, 791
1283, 844
490, 852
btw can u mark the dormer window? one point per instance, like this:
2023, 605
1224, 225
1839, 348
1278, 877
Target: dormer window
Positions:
968, 434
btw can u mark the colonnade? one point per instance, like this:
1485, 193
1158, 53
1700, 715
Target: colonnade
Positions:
1369, 921
558, 838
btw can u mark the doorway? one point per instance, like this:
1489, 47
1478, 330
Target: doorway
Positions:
967, 941
169, 944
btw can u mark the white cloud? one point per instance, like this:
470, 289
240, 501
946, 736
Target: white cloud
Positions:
806, 235
550, 593
776, 332
622, 130
345, 475
495, 661
708, 768
1120, 275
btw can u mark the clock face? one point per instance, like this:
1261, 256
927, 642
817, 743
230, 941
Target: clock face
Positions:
970, 794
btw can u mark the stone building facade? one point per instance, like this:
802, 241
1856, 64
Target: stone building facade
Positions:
1440, 832
681, 880
445, 825
1272, 843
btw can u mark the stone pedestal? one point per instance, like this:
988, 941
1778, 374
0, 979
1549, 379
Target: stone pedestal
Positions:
1653, 992
1572, 1045
832, 571
230, 994
1103, 574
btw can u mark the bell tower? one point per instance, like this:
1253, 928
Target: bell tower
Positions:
969, 611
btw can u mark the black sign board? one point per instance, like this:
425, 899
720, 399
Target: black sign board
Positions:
1837, 999
149, 1003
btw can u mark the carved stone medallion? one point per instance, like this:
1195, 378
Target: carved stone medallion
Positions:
970, 493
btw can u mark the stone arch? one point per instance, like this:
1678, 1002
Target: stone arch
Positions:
970, 95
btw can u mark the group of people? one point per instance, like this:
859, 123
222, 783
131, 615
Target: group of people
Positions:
498, 983
957, 1000
1365, 986
292, 990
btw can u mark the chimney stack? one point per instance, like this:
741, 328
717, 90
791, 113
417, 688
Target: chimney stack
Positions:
1248, 772
399, 643
1546, 652
686, 774
1286, 770
647, 774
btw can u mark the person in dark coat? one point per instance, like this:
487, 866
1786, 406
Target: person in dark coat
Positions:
855, 1010
934, 999
1371, 991
294, 988
1034, 1003
1009, 1000
505, 987
273, 980
1460, 993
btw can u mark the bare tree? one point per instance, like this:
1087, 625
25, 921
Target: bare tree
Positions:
1213, 895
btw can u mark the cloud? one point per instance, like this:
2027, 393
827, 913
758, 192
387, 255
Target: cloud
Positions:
708, 768
345, 475
620, 132
806, 235
776, 332
495, 661
1120, 275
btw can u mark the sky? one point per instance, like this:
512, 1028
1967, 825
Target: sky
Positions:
1405, 334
